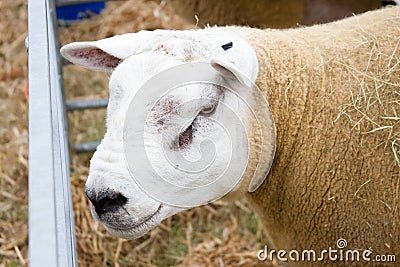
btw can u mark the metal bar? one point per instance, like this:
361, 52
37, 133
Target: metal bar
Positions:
65, 219
51, 239
86, 147
76, 2
86, 104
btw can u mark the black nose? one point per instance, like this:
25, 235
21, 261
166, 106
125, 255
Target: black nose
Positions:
106, 201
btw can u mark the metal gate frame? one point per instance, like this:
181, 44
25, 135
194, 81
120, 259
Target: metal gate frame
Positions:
51, 222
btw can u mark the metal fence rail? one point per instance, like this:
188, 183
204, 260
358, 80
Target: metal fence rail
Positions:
51, 224
86, 104
73, 105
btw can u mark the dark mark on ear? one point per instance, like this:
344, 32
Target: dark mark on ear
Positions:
227, 46
388, 2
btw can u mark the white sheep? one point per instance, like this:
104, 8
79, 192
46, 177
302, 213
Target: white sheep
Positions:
333, 91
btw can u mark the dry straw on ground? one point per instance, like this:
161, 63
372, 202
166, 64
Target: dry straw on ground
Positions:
214, 235
13, 135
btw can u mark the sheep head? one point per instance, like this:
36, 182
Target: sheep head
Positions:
178, 124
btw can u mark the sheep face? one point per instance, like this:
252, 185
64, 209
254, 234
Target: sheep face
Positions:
170, 144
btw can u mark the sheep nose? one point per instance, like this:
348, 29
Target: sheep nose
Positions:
106, 201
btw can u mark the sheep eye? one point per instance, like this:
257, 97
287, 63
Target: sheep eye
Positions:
208, 110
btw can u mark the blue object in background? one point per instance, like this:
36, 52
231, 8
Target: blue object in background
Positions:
76, 13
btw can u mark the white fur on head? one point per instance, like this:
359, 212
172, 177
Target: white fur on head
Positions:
243, 68
134, 59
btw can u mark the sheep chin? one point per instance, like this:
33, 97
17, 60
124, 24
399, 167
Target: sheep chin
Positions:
144, 226
124, 227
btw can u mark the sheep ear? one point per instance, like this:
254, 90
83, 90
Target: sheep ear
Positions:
237, 61
90, 55
106, 54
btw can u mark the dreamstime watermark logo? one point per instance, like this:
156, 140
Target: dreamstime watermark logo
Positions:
179, 155
338, 253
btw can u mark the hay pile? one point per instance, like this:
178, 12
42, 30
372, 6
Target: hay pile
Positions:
214, 235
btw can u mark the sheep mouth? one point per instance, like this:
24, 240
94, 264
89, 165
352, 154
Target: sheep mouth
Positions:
144, 223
